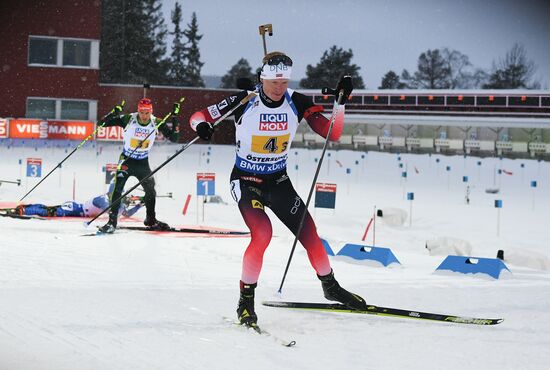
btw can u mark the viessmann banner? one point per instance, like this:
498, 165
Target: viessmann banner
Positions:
27, 128
39, 129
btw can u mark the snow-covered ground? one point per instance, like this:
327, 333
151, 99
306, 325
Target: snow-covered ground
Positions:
137, 301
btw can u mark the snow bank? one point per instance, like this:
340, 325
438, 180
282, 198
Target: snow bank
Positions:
444, 246
393, 216
527, 258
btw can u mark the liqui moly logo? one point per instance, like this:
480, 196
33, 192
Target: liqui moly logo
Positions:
273, 122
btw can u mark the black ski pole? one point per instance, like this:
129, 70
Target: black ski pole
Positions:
183, 148
136, 198
72, 152
18, 182
303, 216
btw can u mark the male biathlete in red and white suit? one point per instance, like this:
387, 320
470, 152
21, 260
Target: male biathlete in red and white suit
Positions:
265, 128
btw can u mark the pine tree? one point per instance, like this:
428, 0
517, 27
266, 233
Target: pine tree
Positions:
241, 69
443, 69
407, 79
334, 64
132, 46
192, 75
136, 44
111, 42
156, 64
177, 62
391, 81
433, 72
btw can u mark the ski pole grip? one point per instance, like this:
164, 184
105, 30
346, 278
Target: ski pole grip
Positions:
247, 98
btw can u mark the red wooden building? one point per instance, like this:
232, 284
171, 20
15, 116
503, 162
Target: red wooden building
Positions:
49, 69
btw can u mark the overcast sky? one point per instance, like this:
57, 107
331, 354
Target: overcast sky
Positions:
383, 34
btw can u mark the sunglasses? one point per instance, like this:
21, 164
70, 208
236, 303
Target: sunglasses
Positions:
277, 59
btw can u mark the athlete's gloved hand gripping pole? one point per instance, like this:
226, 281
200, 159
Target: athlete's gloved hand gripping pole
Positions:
342, 92
175, 111
183, 148
116, 110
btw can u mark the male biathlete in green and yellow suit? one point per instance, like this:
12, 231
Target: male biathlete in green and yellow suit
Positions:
140, 131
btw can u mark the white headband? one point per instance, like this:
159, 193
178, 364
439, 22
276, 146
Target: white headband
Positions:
276, 72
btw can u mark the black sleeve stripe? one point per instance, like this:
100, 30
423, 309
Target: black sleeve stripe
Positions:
231, 101
302, 103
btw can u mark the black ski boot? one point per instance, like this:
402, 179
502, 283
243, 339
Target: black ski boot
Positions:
245, 309
334, 292
152, 223
109, 227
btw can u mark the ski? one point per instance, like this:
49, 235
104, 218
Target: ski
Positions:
383, 311
254, 328
185, 230
21, 217
97, 233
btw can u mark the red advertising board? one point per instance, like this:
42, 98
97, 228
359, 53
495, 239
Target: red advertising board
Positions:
206, 176
113, 133
329, 188
35, 161
3, 128
28, 129
39, 129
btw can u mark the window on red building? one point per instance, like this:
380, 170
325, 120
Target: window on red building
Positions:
40, 108
57, 52
70, 109
76, 53
42, 51
74, 109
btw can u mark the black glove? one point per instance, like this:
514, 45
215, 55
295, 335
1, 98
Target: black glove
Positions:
205, 130
345, 84
176, 109
117, 109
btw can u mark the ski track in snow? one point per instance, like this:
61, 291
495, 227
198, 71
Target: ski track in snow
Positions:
136, 301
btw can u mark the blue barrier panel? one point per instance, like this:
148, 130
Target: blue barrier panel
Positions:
327, 247
364, 252
473, 265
